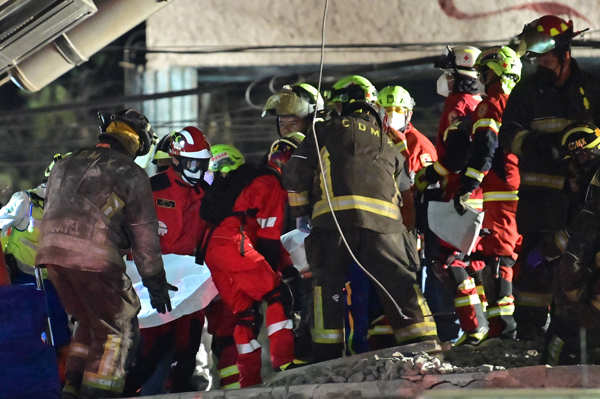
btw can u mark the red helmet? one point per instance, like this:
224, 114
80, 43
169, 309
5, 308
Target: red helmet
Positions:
191, 153
546, 34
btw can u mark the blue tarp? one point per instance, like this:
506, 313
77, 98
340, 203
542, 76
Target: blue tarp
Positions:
28, 364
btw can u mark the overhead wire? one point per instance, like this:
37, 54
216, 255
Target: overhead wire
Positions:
323, 176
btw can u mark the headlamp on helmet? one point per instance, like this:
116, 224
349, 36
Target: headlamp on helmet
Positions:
460, 60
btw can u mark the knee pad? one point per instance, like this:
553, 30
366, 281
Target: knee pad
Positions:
250, 317
283, 295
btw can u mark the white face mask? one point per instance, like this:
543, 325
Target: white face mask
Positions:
396, 120
443, 84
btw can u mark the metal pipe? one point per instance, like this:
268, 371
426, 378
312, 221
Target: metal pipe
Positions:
113, 19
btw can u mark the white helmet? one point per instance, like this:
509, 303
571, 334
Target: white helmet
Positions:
459, 59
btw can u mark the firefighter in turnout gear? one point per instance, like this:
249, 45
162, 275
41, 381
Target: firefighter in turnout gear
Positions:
99, 205
294, 106
539, 108
245, 209
368, 210
576, 303
497, 172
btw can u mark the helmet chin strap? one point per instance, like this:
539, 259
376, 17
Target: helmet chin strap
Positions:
192, 180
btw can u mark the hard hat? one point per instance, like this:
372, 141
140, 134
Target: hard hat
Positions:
281, 150
459, 59
504, 62
545, 34
579, 137
353, 88
192, 153
395, 96
225, 158
298, 100
130, 128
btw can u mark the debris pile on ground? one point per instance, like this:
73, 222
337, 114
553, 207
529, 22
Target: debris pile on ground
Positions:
494, 354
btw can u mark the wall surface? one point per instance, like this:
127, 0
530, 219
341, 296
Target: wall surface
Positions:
213, 24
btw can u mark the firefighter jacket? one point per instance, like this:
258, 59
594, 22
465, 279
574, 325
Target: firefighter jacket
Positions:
421, 152
578, 274
535, 114
20, 221
98, 205
487, 120
457, 105
178, 211
360, 166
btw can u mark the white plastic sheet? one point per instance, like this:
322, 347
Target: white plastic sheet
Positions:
461, 231
196, 289
293, 242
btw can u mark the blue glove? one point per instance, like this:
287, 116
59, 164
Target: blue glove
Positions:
534, 258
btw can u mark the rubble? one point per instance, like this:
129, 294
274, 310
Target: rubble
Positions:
409, 361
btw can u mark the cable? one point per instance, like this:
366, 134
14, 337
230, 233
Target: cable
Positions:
327, 194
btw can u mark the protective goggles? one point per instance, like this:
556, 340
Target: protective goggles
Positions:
287, 102
397, 109
194, 165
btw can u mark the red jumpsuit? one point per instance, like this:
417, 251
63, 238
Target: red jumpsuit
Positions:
457, 105
498, 174
180, 228
453, 145
244, 277
421, 152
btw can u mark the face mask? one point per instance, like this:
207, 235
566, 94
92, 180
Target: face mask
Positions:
396, 120
443, 85
545, 76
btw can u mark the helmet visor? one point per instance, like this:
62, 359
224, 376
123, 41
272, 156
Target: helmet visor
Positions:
535, 43
286, 103
194, 165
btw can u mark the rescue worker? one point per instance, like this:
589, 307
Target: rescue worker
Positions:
368, 210
294, 106
397, 108
573, 334
99, 205
497, 172
177, 194
460, 86
242, 248
539, 108
20, 221
439, 181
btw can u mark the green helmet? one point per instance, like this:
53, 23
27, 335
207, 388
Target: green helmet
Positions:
353, 88
505, 63
299, 100
395, 96
225, 158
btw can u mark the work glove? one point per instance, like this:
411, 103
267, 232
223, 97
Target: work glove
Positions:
425, 177
159, 288
291, 277
460, 202
303, 223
